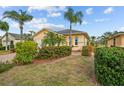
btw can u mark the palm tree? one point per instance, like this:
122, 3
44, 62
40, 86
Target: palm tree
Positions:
5, 27
20, 17
72, 17
32, 32
93, 40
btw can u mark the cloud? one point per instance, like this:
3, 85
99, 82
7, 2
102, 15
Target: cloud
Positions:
39, 23
39, 8
4, 7
53, 11
109, 10
89, 11
15, 25
121, 28
2, 33
102, 20
84, 23
54, 14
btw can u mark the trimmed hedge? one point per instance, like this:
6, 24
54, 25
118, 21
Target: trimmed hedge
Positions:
109, 66
54, 52
87, 50
25, 52
5, 67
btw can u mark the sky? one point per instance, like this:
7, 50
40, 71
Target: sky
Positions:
96, 19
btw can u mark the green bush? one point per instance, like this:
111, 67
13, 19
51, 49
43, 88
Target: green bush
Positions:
5, 67
25, 52
87, 50
109, 66
54, 52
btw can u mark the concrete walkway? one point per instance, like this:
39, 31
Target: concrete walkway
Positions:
7, 57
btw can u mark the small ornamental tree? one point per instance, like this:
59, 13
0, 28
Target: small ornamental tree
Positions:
53, 39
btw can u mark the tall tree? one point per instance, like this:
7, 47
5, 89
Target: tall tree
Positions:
93, 40
5, 27
103, 39
32, 32
20, 17
72, 17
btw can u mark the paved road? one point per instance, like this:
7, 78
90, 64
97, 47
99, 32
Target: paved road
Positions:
7, 57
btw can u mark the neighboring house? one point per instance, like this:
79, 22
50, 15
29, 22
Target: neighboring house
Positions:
12, 39
116, 40
79, 38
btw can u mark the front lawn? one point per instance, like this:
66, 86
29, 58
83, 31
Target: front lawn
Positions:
71, 70
3, 52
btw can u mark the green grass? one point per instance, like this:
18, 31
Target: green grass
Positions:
72, 70
5, 67
3, 52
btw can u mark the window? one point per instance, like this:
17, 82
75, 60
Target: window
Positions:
76, 40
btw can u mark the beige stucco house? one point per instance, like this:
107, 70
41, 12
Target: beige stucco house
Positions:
12, 39
79, 38
116, 40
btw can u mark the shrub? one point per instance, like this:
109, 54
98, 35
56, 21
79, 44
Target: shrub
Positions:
87, 50
25, 52
54, 52
5, 67
109, 66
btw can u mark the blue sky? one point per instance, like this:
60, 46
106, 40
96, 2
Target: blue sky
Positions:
96, 20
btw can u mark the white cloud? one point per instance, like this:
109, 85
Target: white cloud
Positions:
39, 8
102, 20
89, 11
109, 10
15, 25
39, 23
2, 33
52, 11
54, 14
121, 28
84, 23
4, 7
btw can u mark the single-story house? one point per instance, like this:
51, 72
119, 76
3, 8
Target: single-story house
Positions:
79, 38
116, 40
12, 39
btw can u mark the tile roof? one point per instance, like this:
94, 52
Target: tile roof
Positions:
66, 31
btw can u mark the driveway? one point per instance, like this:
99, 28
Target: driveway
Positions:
7, 57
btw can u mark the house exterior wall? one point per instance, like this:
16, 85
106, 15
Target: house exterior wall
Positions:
10, 38
122, 40
119, 41
82, 39
38, 38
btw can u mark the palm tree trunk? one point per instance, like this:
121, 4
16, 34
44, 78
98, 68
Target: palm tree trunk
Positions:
21, 33
70, 35
6, 41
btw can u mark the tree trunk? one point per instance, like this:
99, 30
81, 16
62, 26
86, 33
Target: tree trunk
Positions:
6, 41
21, 32
70, 35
